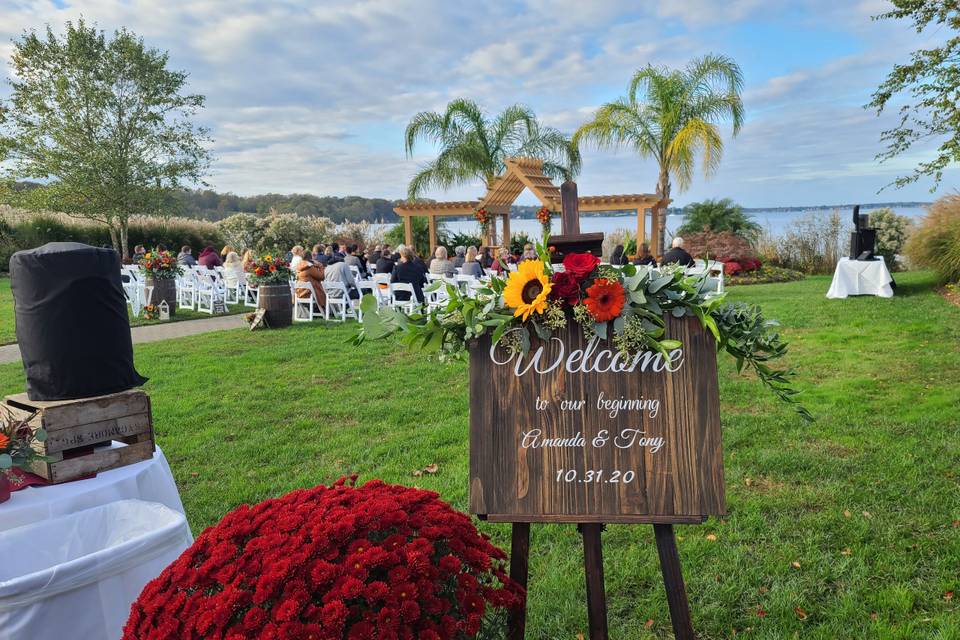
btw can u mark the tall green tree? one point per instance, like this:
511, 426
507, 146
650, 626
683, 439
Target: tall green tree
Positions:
931, 84
473, 145
718, 216
672, 116
102, 123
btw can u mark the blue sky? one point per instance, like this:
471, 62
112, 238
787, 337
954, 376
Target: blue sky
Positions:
313, 96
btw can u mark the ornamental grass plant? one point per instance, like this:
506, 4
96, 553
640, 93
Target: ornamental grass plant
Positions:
935, 243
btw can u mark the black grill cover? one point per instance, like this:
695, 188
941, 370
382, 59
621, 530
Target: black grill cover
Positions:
72, 322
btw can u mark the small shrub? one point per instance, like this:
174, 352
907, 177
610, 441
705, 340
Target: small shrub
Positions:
765, 275
935, 242
421, 235
892, 231
241, 230
463, 240
813, 244
716, 245
717, 216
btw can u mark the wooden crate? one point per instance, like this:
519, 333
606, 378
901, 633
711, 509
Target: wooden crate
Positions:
79, 432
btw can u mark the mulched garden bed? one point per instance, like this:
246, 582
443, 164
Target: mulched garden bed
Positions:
765, 275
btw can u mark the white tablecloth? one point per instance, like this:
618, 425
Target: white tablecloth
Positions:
861, 278
149, 480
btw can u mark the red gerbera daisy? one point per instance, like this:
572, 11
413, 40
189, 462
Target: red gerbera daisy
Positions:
605, 299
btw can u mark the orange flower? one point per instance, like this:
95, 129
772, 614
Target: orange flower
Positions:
4, 440
605, 299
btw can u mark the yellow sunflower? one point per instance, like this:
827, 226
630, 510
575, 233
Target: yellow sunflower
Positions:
527, 289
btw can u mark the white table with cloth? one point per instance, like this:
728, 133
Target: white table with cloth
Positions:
861, 278
86, 549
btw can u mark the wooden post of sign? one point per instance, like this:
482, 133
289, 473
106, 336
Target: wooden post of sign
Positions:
570, 212
673, 582
596, 593
519, 570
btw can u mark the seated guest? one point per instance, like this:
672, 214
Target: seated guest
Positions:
677, 255
470, 265
529, 253
225, 251
353, 260
209, 258
161, 247
617, 258
486, 258
306, 271
336, 251
374, 256
316, 253
232, 270
340, 272
644, 257
503, 259
297, 255
458, 258
327, 257
185, 257
440, 265
384, 263
248, 260
138, 252
408, 271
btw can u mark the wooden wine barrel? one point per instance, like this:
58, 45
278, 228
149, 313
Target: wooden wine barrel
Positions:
164, 289
277, 301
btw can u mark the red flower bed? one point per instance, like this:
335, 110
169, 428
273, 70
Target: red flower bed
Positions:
341, 562
734, 266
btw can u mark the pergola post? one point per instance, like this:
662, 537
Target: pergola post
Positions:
655, 247
641, 228
407, 230
432, 222
506, 229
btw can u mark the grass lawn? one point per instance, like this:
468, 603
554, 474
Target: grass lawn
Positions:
846, 528
8, 332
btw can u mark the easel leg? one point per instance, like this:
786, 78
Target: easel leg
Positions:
519, 569
673, 582
593, 566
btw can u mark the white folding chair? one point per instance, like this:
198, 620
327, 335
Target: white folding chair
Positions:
210, 291
305, 307
437, 298
356, 271
372, 288
408, 306
338, 297
187, 290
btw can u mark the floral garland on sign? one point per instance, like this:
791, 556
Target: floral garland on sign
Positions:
544, 216
624, 304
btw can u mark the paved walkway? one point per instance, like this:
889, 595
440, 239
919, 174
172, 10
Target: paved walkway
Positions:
154, 332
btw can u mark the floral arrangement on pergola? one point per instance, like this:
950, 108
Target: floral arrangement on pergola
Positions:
527, 173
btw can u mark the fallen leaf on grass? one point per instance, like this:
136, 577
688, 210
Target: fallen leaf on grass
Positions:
711, 537
761, 613
948, 595
430, 468
764, 589
846, 552
580, 636
648, 623
846, 513
955, 524
748, 481
867, 515
800, 613
795, 564
873, 615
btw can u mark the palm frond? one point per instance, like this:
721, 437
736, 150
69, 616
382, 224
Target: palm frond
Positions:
719, 76
696, 138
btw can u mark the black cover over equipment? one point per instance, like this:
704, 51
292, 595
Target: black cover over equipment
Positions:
72, 322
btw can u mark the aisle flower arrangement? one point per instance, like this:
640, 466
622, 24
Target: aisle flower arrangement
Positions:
623, 304
160, 265
17, 451
339, 562
269, 269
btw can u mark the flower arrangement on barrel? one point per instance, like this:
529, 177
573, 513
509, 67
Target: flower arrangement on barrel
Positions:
17, 450
625, 305
268, 270
374, 561
160, 265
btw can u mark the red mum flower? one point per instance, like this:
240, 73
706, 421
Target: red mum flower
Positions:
605, 299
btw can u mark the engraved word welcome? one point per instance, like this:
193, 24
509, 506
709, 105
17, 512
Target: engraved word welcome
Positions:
590, 359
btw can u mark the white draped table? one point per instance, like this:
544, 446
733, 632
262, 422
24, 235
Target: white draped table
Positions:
861, 278
150, 480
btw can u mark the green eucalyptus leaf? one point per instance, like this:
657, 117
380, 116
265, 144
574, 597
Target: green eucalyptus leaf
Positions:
5, 461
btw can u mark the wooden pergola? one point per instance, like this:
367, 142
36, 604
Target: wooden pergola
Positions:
527, 173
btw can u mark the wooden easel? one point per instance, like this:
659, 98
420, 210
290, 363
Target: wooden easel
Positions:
596, 593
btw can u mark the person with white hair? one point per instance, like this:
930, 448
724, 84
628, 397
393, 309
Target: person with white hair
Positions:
440, 265
677, 255
459, 256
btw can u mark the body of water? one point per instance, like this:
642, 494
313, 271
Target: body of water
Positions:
776, 222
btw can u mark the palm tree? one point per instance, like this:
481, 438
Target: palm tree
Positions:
671, 115
474, 146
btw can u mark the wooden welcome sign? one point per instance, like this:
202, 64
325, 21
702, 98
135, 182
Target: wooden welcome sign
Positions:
573, 431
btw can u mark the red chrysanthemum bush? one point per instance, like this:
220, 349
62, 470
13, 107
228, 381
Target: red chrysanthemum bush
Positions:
340, 562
